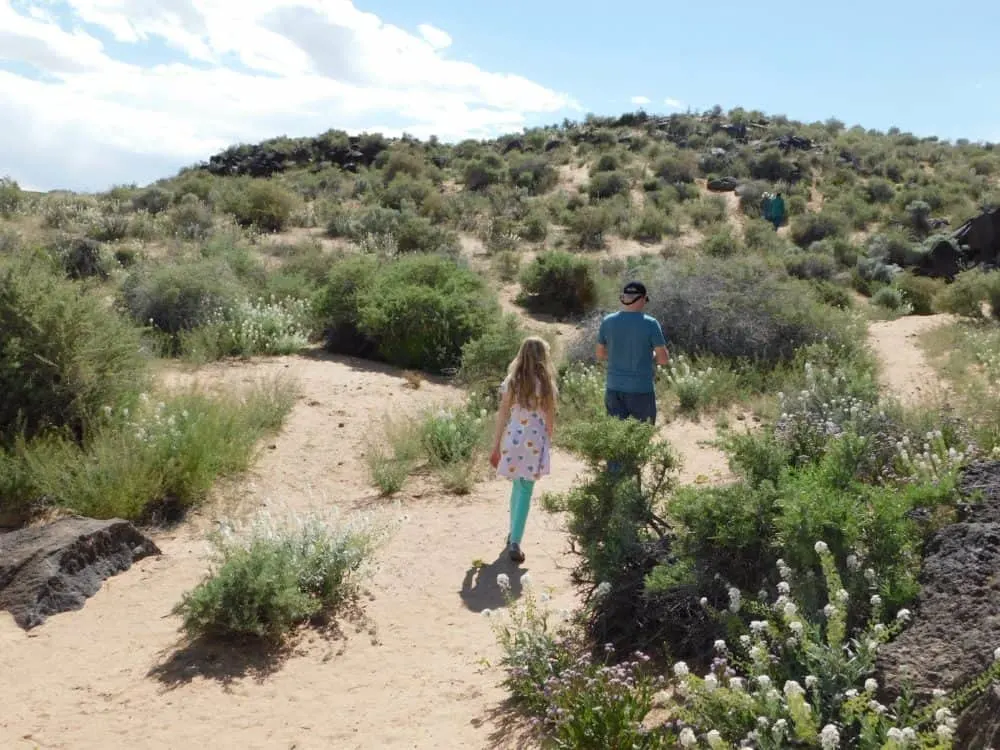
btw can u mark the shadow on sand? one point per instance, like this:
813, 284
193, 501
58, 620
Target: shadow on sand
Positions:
480, 589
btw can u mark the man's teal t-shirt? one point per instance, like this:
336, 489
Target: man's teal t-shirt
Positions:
630, 338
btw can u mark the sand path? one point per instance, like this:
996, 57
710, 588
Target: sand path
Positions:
905, 370
410, 675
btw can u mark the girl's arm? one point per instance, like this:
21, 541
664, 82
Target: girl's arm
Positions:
550, 420
503, 415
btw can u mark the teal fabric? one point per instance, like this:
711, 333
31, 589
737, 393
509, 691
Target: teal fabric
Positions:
768, 208
630, 338
520, 504
778, 209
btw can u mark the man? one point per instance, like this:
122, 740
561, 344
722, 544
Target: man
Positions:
628, 341
778, 211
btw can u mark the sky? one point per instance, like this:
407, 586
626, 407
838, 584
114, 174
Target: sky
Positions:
95, 93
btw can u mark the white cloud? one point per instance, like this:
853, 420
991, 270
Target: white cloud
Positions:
247, 70
640, 101
674, 103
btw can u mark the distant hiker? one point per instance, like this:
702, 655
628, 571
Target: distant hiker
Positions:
778, 211
767, 207
628, 341
524, 425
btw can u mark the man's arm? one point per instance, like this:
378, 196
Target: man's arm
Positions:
659, 342
602, 353
602, 344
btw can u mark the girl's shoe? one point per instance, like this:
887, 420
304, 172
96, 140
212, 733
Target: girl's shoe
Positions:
515, 552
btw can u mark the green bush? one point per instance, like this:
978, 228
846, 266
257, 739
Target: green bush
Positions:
651, 224
607, 184
179, 297
890, 298
270, 577
263, 204
156, 460
84, 258
338, 302
153, 200
191, 219
722, 243
417, 311
588, 226
880, 191
64, 355
559, 283
809, 228
710, 209
919, 292
415, 234
810, 266
533, 174
481, 173
485, 359
250, 327
11, 196
676, 167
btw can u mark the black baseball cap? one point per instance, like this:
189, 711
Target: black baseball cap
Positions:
634, 289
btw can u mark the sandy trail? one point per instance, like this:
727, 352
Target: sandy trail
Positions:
905, 371
410, 674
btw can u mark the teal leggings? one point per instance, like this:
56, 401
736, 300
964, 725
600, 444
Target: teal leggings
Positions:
520, 504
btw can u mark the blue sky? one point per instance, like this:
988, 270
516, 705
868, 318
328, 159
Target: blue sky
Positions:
102, 92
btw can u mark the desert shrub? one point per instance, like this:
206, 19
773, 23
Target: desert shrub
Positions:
880, 191
534, 174
771, 166
483, 172
179, 297
395, 162
191, 219
153, 461
751, 198
485, 359
83, 258
418, 311
269, 576
405, 191
607, 184
813, 227
415, 234
338, 302
588, 226
676, 167
63, 354
250, 327
111, 223
759, 235
534, 226
709, 209
965, 296
919, 292
650, 225
11, 196
833, 294
722, 243
739, 309
918, 217
609, 162
263, 204
153, 200
560, 283
810, 266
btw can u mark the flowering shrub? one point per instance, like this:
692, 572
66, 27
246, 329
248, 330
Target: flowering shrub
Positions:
270, 576
581, 393
827, 697
262, 326
580, 703
452, 436
694, 386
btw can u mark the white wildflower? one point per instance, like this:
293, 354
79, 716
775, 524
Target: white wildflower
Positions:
870, 575
784, 588
711, 682
903, 615
812, 681
944, 732
938, 693
736, 683
829, 610
871, 685
876, 600
526, 580
790, 609
720, 645
793, 688
843, 596
821, 548
880, 629
744, 640
687, 738
681, 669
996, 654
715, 740
503, 581
703, 601
909, 734
758, 626
603, 589
895, 734
829, 738
853, 563
735, 600
763, 681
486, 613
796, 627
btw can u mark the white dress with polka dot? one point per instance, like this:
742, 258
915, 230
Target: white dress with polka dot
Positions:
524, 447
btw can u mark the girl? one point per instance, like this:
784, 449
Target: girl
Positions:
525, 421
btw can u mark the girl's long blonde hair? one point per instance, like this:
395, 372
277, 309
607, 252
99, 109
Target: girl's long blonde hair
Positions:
531, 377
